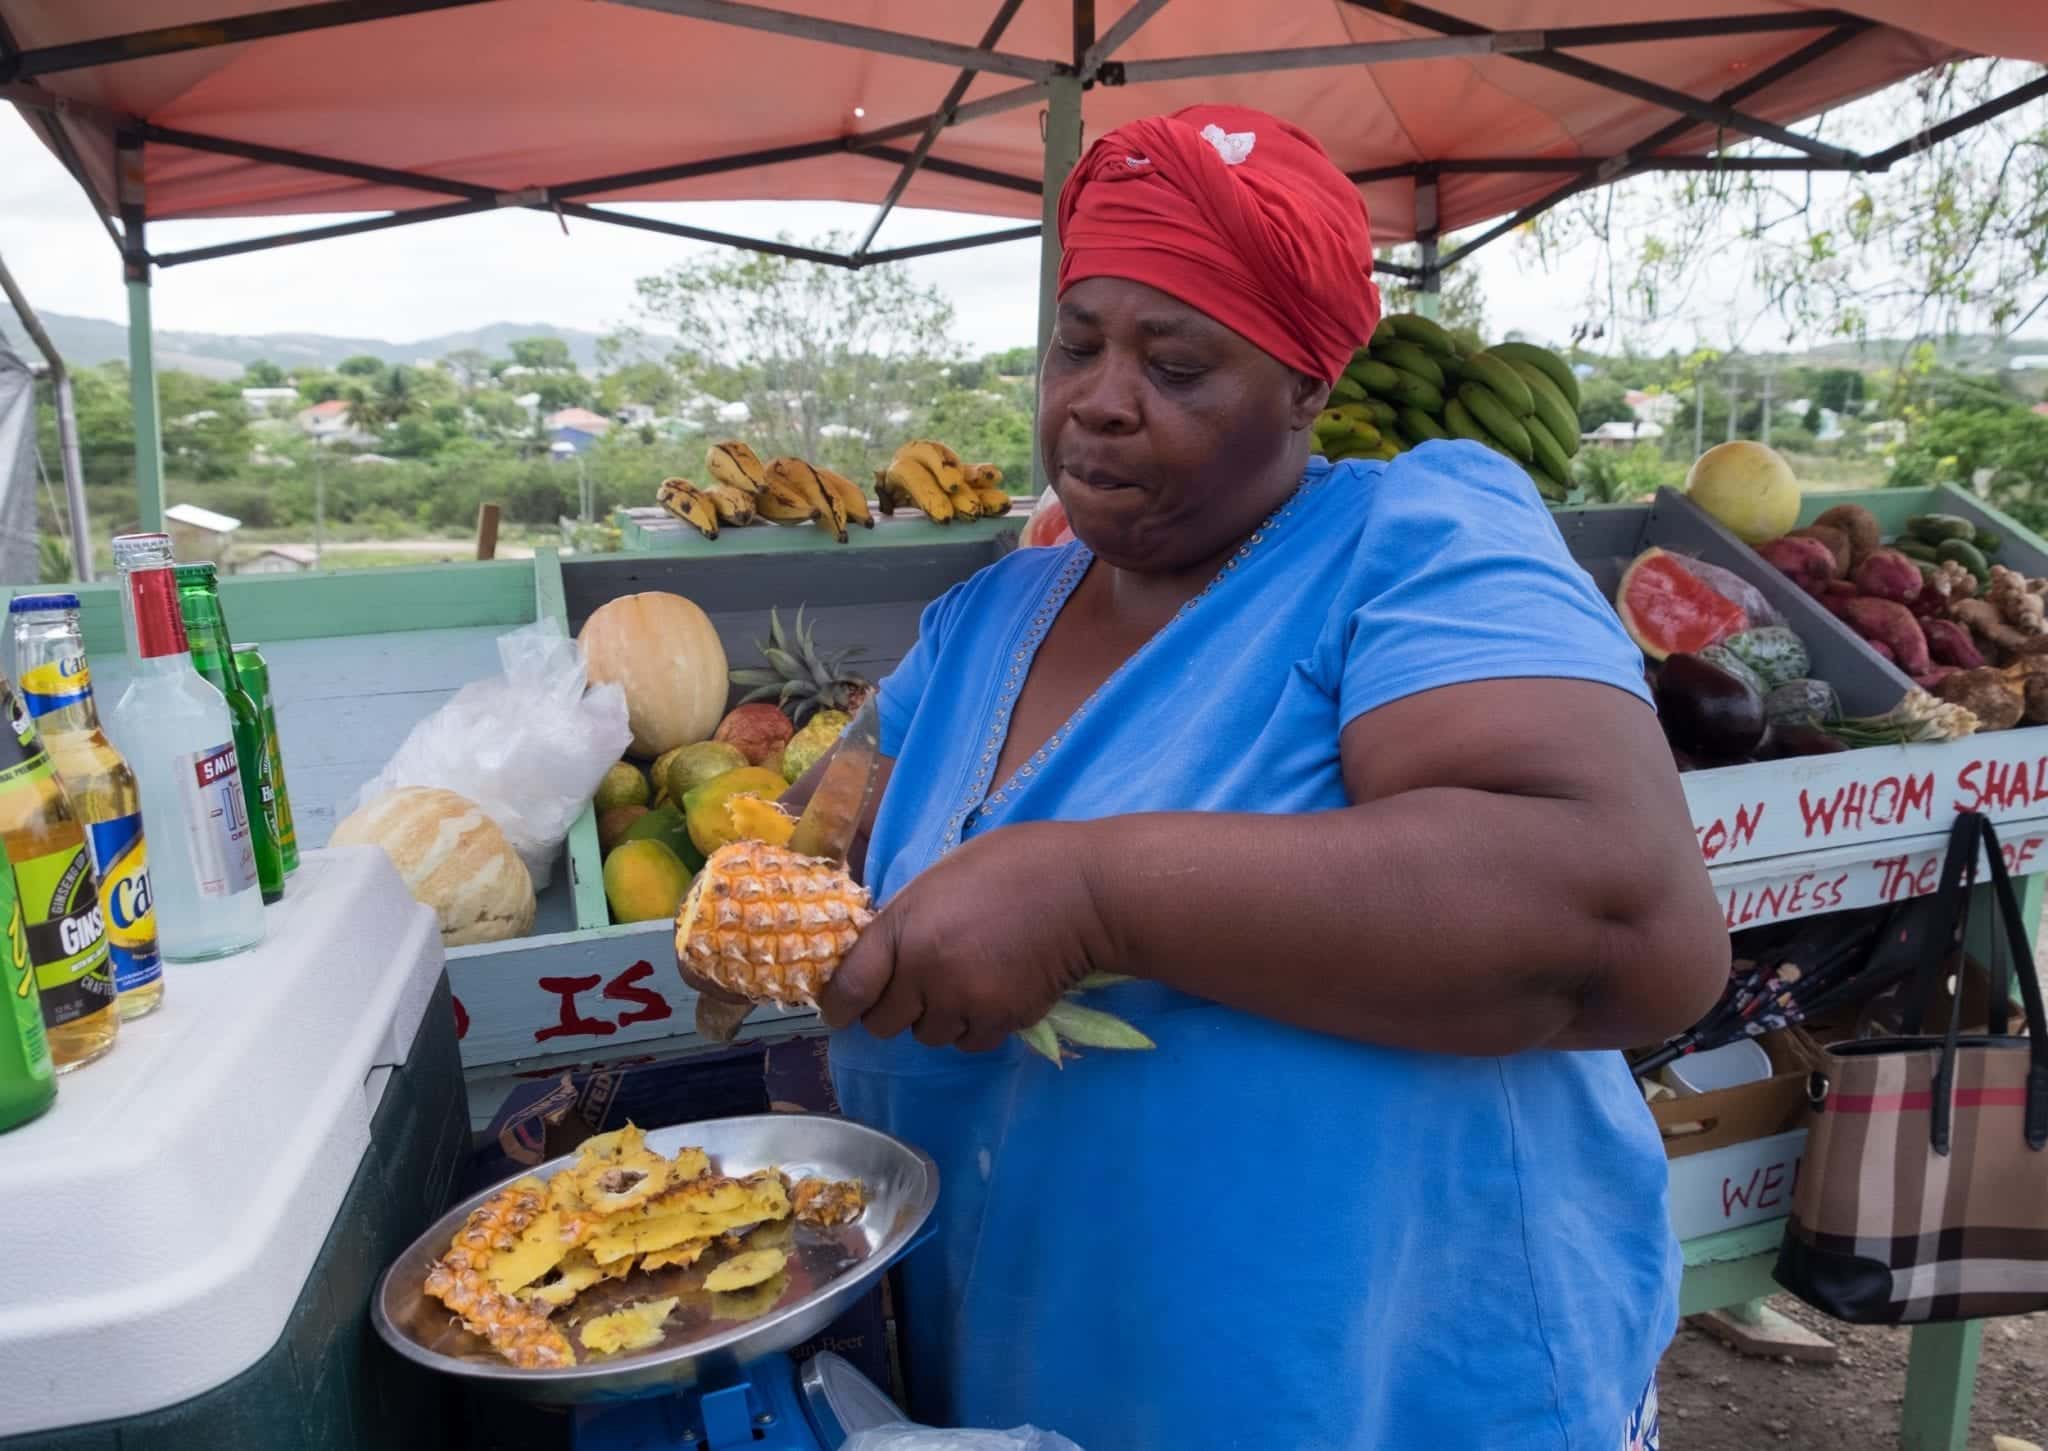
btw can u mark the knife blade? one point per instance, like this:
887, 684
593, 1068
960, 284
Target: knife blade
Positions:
833, 815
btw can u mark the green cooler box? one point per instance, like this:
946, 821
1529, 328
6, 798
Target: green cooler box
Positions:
194, 1229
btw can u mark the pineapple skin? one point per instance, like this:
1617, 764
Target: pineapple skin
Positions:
769, 924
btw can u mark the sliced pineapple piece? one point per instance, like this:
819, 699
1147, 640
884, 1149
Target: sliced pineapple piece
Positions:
576, 1273
516, 1330
603, 1148
697, 1210
634, 1328
623, 1184
828, 1202
680, 1256
750, 1303
776, 1234
495, 1225
744, 1271
756, 820
539, 1249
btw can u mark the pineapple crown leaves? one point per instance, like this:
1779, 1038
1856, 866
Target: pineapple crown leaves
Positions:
798, 674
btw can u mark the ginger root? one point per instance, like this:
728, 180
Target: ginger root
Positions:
1988, 625
1951, 581
2016, 606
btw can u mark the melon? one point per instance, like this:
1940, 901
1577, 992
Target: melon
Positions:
1748, 487
452, 857
1668, 610
663, 652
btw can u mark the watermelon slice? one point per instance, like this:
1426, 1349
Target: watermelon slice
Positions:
1668, 610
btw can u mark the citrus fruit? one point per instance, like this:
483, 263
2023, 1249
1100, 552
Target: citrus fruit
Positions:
1748, 487
623, 785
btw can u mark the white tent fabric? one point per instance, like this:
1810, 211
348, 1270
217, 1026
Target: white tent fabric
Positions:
19, 560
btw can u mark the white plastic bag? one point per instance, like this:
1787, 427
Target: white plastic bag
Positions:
927, 1438
528, 746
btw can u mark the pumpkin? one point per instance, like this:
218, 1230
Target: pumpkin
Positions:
452, 857
664, 653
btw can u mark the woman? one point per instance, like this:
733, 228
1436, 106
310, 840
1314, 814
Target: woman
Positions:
1352, 768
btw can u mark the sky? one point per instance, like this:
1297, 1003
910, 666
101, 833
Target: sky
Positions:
517, 266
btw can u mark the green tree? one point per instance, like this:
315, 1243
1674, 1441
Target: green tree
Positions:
1461, 302
262, 374
362, 365
205, 427
1813, 422
1839, 390
641, 381
541, 353
822, 356
564, 390
985, 426
318, 385
474, 365
498, 409
1601, 401
1014, 363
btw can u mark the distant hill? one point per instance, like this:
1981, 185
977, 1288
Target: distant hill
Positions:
85, 341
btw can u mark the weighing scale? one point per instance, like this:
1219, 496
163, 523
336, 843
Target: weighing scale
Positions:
721, 1377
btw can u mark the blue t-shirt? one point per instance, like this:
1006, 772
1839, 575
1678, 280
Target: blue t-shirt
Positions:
1257, 1236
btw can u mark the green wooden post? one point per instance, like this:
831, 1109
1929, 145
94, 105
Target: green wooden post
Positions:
149, 435
1941, 1375
586, 862
1062, 151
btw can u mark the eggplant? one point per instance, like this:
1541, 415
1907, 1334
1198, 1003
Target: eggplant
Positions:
1786, 738
1707, 712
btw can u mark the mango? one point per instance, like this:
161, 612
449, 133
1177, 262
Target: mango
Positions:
704, 808
623, 785
692, 766
644, 882
663, 824
658, 774
612, 825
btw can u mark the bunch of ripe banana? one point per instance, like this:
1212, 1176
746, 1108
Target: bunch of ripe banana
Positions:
782, 491
1410, 385
927, 475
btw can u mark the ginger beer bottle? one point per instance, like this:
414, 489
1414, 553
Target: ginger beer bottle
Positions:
176, 732
49, 663
28, 1079
60, 896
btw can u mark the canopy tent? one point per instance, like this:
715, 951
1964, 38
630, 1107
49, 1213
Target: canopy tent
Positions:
166, 109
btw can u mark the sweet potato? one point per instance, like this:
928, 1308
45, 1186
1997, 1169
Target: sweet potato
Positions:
1891, 624
1886, 574
1837, 541
2035, 688
1997, 703
1859, 524
1808, 563
1949, 643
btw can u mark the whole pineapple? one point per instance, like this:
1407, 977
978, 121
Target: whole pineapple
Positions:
798, 678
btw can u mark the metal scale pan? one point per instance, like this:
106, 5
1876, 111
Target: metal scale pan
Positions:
704, 1339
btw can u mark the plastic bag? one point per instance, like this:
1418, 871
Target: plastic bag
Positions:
927, 1438
528, 746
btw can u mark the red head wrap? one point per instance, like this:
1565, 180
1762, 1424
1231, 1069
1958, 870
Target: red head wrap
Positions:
1236, 213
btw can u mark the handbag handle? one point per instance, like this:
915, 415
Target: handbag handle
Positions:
1948, 916
2029, 982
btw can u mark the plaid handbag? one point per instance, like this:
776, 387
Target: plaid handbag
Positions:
1924, 1194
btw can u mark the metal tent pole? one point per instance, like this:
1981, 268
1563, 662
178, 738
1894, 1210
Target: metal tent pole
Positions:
1429, 278
67, 425
1062, 153
149, 434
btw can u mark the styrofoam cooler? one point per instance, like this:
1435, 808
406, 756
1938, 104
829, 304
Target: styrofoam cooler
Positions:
194, 1228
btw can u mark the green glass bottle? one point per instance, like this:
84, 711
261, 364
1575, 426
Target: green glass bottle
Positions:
254, 673
207, 626
28, 1079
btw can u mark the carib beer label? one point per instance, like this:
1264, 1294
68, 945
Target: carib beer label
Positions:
56, 685
129, 907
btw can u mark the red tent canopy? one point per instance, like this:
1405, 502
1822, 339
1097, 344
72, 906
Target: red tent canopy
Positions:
576, 101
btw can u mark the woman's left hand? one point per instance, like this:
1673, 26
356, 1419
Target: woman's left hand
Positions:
980, 945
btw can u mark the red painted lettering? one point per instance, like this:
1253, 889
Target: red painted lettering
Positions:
1893, 881
1997, 781
1928, 877
1917, 794
1819, 817
1746, 824
1773, 1186
2019, 858
653, 1006
1966, 780
461, 1019
1735, 1195
573, 1024
1712, 838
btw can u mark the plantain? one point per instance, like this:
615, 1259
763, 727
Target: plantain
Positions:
889, 498
689, 504
734, 506
986, 480
1555, 368
1497, 374
1420, 426
950, 472
1379, 412
1493, 414
1419, 329
1549, 455
798, 497
844, 492
913, 484
1375, 376
1411, 358
735, 465
1462, 424
1551, 410
1347, 389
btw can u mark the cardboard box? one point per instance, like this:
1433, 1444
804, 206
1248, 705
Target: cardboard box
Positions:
1698, 1123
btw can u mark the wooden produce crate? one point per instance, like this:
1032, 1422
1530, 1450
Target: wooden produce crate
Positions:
1817, 834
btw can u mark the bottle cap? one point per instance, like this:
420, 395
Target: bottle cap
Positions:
35, 604
142, 551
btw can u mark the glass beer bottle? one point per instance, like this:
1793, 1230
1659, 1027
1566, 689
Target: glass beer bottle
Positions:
56, 685
206, 627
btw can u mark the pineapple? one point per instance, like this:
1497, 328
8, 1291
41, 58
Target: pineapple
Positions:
801, 680
576, 1273
750, 1303
517, 1331
680, 1256
744, 1271
497, 1225
825, 1203
769, 924
634, 1328
698, 1210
